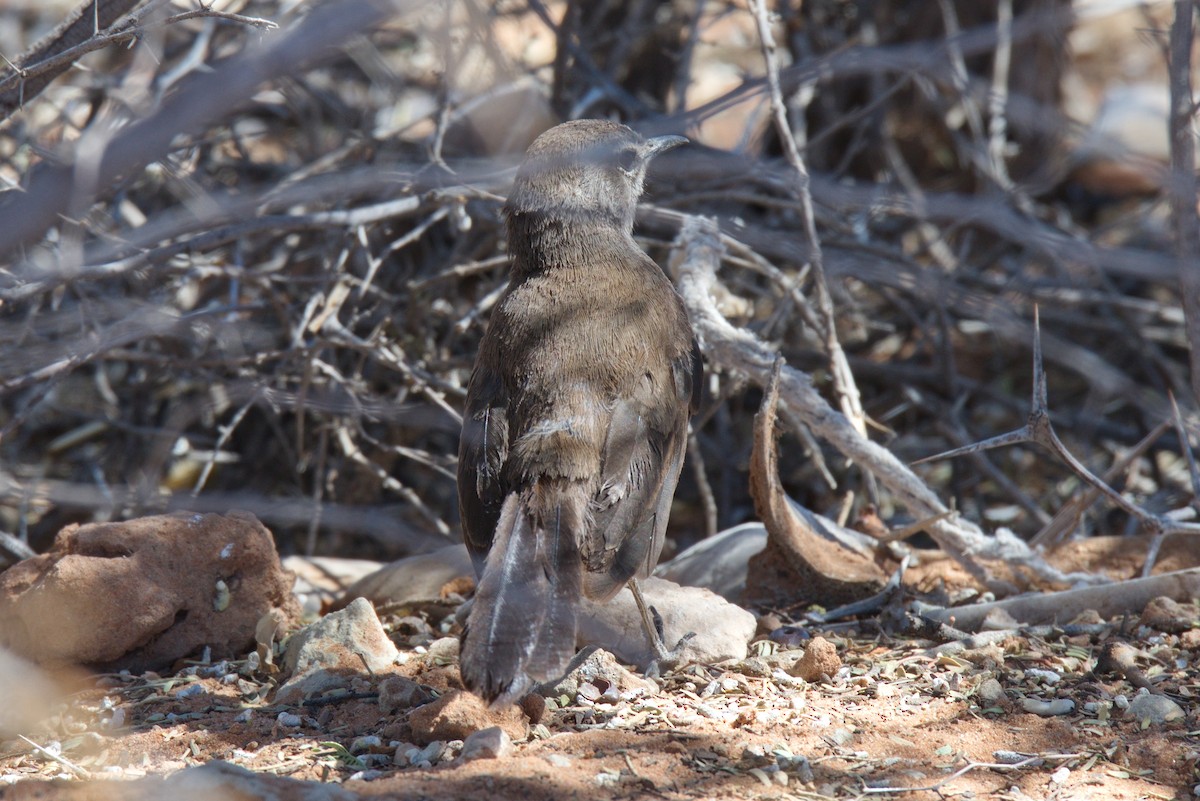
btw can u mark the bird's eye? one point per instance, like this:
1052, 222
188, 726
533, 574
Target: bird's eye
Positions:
627, 159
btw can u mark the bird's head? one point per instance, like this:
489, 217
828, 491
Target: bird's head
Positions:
587, 171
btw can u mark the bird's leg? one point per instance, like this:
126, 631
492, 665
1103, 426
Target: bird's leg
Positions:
652, 627
652, 624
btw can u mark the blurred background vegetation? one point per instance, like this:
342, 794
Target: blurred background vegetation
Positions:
248, 249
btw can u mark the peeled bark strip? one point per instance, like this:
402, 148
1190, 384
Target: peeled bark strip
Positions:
800, 564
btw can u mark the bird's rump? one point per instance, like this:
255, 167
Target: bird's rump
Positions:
531, 584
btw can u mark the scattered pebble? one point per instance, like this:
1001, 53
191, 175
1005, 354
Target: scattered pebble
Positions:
397, 694
349, 642
443, 650
1057, 706
1047, 677
591, 666
991, 693
489, 743
366, 775
1154, 709
1005, 757
820, 659
1165, 614
365, 743
404, 754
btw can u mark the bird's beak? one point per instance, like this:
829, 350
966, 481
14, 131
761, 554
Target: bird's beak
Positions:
661, 144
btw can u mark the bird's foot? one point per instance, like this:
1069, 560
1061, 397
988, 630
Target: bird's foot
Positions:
667, 660
652, 624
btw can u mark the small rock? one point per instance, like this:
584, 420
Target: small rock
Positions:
820, 659
1057, 706
404, 754
1043, 676
339, 645
489, 743
841, 736
1154, 709
756, 667
443, 651
397, 693
458, 714
1088, 617
365, 743
431, 753
722, 630
557, 760
796, 765
755, 756
595, 666
1165, 614
534, 707
366, 776
991, 693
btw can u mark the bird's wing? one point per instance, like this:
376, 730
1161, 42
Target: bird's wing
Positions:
482, 451
643, 454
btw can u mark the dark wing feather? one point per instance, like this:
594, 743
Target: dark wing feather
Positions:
482, 451
643, 454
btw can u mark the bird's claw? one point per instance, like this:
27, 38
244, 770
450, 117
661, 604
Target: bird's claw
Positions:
667, 659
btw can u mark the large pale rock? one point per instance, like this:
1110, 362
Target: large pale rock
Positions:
321, 580
143, 593
722, 630
335, 649
415, 579
719, 563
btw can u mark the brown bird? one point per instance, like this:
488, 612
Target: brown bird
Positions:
577, 409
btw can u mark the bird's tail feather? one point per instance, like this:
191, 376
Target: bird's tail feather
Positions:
522, 624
